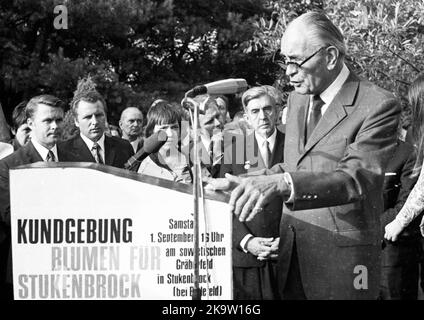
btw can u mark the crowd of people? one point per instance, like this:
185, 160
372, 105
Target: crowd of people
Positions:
333, 185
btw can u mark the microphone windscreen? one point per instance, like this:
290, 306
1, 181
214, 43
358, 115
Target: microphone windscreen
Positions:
153, 143
227, 86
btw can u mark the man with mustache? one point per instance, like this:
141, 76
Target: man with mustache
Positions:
44, 118
92, 145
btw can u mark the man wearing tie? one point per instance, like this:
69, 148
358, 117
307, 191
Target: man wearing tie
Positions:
255, 243
211, 146
92, 145
131, 124
44, 117
340, 134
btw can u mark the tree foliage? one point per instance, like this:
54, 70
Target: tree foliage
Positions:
137, 50
384, 38
140, 50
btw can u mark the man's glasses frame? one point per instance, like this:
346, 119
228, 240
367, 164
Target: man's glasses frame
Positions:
285, 64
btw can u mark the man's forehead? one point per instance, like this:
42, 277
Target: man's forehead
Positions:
90, 105
46, 109
294, 41
261, 101
133, 113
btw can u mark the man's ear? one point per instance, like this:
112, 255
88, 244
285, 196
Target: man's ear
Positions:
246, 117
30, 123
76, 123
332, 57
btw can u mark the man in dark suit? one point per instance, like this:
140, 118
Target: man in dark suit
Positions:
211, 146
92, 145
255, 242
401, 258
131, 124
45, 117
340, 134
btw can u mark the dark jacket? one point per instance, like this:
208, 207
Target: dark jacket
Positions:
263, 225
337, 178
24, 155
398, 183
117, 151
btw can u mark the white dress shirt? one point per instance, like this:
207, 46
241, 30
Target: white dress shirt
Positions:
330, 93
135, 143
100, 142
262, 146
43, 151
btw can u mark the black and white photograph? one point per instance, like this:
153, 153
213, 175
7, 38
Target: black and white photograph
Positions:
214, 157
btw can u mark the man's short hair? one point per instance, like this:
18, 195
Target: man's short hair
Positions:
275, 93
321, 31
254, 93
46, 99
91, 96
127, 108
19, 116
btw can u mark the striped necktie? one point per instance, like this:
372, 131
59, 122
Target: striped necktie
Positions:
315, 115
50, 157
268, 154
96, 153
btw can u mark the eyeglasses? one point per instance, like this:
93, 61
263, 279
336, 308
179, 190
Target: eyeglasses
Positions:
284, 63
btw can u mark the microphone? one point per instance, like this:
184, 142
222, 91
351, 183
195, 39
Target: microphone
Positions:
151, 144
227, 86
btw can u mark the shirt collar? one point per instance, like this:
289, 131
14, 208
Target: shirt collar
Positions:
328, 94
271, 139
206, 139
90, 143
135, 144
43, 151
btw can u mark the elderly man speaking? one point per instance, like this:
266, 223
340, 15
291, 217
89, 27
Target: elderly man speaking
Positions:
340, 133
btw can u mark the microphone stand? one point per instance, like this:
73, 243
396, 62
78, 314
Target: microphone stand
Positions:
196, 185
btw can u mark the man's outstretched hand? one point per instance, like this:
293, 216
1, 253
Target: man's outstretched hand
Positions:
249, 195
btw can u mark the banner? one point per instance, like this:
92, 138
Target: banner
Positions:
79, 233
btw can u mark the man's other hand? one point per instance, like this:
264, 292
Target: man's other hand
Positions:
259, 246
252, 194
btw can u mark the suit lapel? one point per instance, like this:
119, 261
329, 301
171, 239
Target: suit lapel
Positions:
109, 151
81, 150
277, 153
31, 153
295, 129
252, 157
335, 112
